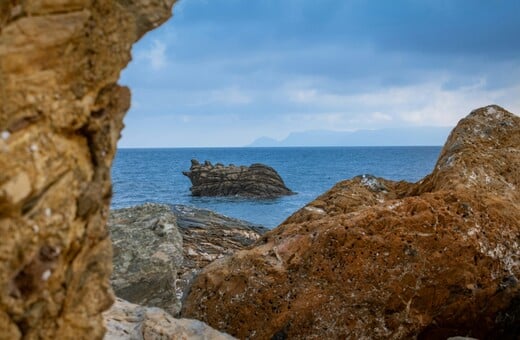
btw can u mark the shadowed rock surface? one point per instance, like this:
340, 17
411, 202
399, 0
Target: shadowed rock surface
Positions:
126, 320
379, 259
147, 250
61, 112
257, 180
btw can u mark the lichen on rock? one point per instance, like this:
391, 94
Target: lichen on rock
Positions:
379, 259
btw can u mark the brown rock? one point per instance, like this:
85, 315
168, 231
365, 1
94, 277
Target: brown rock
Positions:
379, 259
257, 180
208, 236
60, 117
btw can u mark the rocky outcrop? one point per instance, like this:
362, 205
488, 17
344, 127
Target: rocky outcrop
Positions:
126, 320
257, 180
147, 250
60, 116
158, 249
208, 236
379, 259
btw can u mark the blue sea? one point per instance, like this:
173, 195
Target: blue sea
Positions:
155, 175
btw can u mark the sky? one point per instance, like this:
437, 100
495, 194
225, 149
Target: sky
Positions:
226, 72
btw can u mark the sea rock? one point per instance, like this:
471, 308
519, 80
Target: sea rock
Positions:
61, 114
257, 180
377, 259
125, 320
148, 251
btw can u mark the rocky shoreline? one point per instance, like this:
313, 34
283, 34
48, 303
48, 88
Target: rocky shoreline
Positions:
370, 258
158, 249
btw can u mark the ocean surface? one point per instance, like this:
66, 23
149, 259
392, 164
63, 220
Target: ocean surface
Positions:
155, 175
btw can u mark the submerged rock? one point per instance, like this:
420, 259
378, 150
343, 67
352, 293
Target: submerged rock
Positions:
379, 259
125, 320
257, 180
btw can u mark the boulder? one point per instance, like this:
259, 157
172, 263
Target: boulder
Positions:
208, 236
61, 113
257, 180
159, 248
379, 259
147, 249
125, 320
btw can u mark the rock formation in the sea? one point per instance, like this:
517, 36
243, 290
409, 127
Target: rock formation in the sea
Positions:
126, 320
61, 114
147, 249
158, 249
378, 259
257, 180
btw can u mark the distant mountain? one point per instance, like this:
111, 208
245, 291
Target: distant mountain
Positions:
384, 137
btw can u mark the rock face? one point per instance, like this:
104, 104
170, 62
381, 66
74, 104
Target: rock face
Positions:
378, 259
257, 180
208, 236
126, 320
60, 116
158, 249
147, 250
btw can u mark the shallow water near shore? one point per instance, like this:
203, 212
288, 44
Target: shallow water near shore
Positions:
155, 175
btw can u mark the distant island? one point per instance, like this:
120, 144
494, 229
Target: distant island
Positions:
416, 136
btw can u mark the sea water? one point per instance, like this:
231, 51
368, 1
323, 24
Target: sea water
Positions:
155, 175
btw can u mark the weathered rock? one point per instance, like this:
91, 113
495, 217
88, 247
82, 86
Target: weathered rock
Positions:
126, 321
147, 250
208, 236
378, 259
257, 180
60, 116
158, 249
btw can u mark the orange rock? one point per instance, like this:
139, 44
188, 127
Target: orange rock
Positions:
61, 114
378, 259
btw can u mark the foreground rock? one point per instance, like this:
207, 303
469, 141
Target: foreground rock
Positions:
378, 259
258, 180
208, 236
147, 255
158, 249
125, 320
61, 113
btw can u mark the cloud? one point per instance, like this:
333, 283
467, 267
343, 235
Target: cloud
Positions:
155, 55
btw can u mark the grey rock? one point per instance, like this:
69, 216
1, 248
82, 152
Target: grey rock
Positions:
257, 180
128, 321
159, 249
147, 255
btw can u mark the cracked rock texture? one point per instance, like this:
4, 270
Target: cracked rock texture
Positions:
60, 117
257, 180
377, 259
147, 249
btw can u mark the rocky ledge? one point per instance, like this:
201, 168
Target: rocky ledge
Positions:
257, 180
125, 320
377, 259
158, 249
